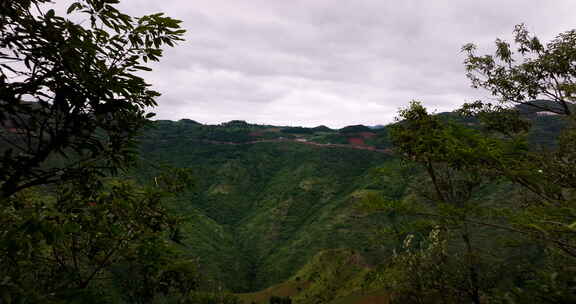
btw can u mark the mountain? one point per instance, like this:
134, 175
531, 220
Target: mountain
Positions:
267, 199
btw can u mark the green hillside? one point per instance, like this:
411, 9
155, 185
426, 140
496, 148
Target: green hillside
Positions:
331, 276
264, 205
261, 210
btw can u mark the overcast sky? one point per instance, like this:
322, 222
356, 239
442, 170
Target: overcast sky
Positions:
330, 62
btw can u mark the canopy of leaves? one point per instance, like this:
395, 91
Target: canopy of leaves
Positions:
531, 71
72, 88
462, 161
71, 104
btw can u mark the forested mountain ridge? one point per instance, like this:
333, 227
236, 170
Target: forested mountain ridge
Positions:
242, 132
268, 198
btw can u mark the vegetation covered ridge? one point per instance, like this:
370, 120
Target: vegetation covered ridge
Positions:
241, 132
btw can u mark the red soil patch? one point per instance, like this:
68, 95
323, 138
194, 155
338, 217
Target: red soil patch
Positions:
367, 134
356, 141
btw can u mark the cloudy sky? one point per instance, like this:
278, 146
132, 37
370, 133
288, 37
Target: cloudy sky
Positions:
330, 62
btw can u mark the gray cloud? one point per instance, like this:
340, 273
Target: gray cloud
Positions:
312, 62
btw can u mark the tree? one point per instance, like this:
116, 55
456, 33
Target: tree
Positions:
71, 104
460, 161
94, 242
534, 71
545, 71
454, 158
71, 100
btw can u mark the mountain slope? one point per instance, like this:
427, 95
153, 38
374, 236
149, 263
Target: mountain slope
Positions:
268, 199
261, 210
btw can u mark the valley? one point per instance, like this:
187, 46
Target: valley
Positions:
265, 203
261, 209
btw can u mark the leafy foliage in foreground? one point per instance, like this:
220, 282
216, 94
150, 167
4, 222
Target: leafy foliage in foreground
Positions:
91, 243
71, 105
71, 89
451, 266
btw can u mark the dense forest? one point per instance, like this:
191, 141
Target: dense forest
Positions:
100, 204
